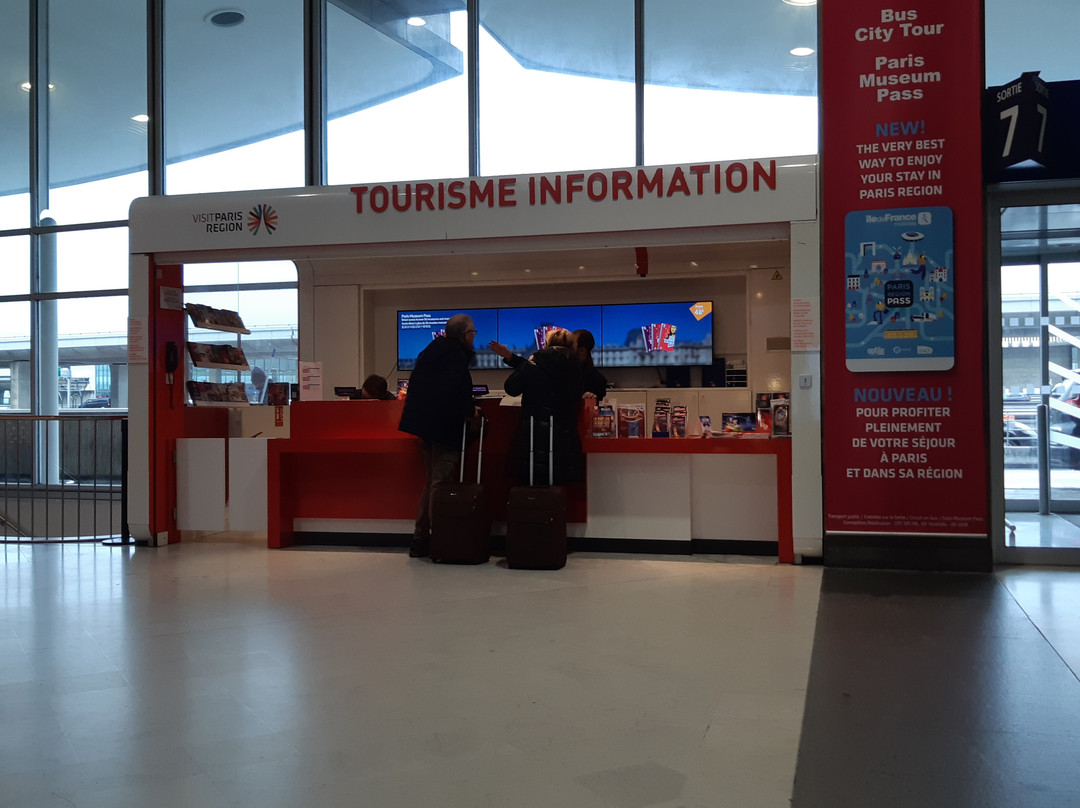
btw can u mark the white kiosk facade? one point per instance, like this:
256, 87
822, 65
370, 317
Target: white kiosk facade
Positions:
744, 233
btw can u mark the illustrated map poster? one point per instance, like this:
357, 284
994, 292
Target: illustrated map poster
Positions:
900, 293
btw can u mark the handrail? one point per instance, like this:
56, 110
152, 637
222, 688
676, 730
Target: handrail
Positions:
63, 477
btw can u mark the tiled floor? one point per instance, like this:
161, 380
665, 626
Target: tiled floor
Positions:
931, 689
1035, 530
222, 674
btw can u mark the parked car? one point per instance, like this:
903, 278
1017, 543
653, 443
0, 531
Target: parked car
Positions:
96, 401
1022, 445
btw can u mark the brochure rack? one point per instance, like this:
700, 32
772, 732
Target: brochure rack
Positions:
219, 357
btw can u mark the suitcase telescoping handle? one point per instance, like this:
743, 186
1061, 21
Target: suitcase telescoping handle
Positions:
479, 450
551, 448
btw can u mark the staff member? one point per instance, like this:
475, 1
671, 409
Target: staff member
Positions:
438, 401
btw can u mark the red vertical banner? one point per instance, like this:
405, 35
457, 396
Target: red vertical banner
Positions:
904, 413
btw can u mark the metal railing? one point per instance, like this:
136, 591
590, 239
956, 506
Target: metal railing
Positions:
63, 478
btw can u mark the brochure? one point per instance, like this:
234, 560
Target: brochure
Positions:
678, 421
217, 393
781, 417
277, 394
706, 425
631, 420
662, 418
739, 422
215, 319
204, 355
603, 422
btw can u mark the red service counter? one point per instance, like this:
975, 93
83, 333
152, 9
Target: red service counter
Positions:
347, 460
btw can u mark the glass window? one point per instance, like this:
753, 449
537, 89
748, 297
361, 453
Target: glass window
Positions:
15, 118
233, 98
728, 86
1016, 43
397, 96
556, 86
90, 259
15, 265
97, 147
15, 356
271, 349
91, 346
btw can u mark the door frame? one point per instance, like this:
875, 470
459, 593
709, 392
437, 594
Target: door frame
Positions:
998, 196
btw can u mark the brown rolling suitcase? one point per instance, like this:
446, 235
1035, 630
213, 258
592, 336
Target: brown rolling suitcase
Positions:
460, 524
536, 517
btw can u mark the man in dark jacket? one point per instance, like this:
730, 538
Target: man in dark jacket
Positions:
438, 401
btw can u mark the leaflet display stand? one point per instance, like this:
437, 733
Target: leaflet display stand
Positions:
218, 357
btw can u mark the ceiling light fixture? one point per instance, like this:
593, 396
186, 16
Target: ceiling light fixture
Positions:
416, 22
226, 17
142, 118
25, 86
801, 2
803, 51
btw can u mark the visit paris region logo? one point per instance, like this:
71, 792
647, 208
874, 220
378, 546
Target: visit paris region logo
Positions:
262, 216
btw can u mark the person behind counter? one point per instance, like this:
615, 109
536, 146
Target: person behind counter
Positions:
259, 381
595, 383
550, 383
376, 388
438, 401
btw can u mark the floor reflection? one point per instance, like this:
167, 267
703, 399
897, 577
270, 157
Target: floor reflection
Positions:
1036, 530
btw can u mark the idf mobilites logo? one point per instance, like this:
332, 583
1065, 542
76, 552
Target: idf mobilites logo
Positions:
262, 216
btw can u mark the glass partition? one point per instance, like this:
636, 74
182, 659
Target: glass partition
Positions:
556, 86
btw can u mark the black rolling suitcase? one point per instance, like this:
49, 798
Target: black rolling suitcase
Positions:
536, 517
460, 524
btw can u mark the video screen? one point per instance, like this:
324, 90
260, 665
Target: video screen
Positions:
627, 335
416, 330
525, 330
655, 334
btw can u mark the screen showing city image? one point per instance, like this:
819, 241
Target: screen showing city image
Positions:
416, 330
655, 334
524, 330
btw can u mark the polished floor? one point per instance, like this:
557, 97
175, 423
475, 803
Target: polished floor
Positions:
214, 674
1029, 529
931, 689
222, 674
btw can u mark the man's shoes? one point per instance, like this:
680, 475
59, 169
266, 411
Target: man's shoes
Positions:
418, 548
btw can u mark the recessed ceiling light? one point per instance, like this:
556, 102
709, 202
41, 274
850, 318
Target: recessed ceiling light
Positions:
226, 17
581, 267
801, 51
142, 118
801, 2
416, 22
693, 264
26, 86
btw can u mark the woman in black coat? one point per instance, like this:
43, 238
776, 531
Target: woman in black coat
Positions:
550, 383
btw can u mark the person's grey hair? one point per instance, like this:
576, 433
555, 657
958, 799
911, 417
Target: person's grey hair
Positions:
457, 325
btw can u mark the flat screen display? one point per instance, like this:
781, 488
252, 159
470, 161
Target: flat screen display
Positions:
627, 335
524, 330
655, 334
416, 330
